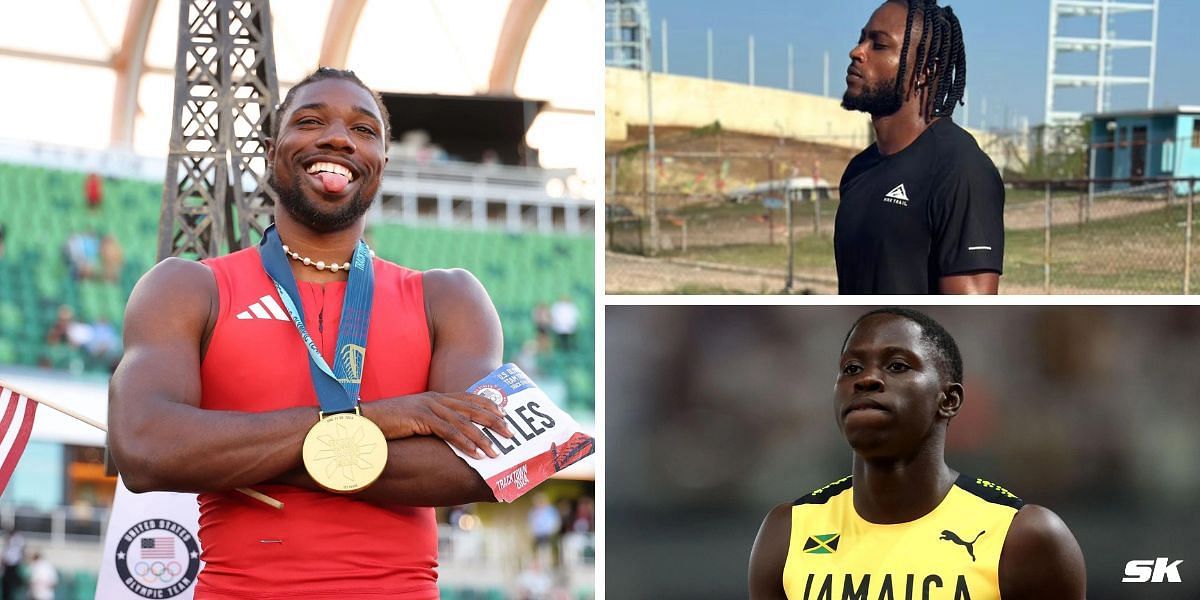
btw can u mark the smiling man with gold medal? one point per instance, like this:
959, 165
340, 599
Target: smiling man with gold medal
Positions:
227, 380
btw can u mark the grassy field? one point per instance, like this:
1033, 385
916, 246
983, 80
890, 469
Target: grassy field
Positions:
1140, 253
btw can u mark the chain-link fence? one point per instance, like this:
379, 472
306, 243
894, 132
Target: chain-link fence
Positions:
1112, 236
711, 213
1085, 236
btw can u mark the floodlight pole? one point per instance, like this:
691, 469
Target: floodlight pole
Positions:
651, 170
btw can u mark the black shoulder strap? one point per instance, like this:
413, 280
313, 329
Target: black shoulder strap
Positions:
823, 495
989, 491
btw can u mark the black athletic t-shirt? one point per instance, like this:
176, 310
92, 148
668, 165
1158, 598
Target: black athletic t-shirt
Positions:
933, 209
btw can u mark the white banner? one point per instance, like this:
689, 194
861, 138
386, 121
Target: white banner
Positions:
151, 549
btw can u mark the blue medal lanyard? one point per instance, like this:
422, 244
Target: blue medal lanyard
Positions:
337, 389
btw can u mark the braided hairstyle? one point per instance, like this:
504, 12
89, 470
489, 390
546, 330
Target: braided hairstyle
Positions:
939, 50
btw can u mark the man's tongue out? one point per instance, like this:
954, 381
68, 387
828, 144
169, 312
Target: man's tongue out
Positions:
334, 183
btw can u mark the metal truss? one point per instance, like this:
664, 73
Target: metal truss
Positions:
1104, 45
226, 92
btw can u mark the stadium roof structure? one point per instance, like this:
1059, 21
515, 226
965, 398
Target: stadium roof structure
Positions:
99, 73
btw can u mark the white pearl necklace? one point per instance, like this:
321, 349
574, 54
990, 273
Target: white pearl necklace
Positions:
319, 264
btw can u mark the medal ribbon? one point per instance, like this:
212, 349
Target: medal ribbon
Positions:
337, 389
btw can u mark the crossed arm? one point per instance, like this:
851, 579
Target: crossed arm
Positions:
162, 440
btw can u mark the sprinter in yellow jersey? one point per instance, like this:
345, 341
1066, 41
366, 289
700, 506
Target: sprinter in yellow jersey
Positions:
905, 526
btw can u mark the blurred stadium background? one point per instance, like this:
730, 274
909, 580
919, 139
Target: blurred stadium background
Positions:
729, 184
493, 168
1089, 411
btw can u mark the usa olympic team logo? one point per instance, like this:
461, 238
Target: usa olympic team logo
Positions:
493, 393
158, 558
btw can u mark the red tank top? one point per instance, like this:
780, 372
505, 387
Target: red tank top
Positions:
320, 544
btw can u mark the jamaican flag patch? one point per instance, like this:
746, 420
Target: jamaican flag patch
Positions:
822, 544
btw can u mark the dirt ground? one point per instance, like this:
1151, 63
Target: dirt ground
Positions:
627, 274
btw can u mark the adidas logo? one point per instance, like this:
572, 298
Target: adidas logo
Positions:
272, 311
897, 196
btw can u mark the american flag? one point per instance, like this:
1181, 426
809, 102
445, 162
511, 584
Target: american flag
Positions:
158, 547
15, 426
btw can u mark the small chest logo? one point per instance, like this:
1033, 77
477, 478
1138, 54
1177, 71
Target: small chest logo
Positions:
950, 536
822, 544
897, 196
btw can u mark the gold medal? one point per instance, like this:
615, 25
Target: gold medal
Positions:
345, 453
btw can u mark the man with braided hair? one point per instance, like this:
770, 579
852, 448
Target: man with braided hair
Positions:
922, 209
904, 525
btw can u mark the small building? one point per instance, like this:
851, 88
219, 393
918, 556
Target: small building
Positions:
1141, 144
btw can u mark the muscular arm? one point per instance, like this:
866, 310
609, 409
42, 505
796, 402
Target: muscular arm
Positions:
159, 436
467, 345
981, 282
769, 555
1041, 559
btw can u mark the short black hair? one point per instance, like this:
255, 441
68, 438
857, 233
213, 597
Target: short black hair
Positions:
950, 363
321, 74
942, 33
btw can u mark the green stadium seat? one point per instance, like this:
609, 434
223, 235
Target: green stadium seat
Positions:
47, 206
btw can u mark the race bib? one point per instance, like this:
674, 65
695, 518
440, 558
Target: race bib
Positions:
545, 438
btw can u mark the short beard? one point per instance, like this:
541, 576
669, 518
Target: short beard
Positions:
878, 101
302, 209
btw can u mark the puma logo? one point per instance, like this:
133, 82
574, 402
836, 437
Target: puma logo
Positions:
953, 537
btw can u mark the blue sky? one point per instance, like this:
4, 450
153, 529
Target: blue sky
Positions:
1006, 49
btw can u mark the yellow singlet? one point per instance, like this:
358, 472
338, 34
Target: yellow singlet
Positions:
952, 553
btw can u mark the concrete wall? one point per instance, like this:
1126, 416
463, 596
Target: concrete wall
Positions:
695, 102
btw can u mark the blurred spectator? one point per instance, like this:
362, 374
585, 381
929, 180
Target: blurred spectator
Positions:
1, 240
534, 582
83, 254
541, 318
415, 145
528, 357
104, 343
566, 515
58, 333
585, 515
544, 523
14, 560
112, 258
564, 320
43, 578
93, 190
80, 335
